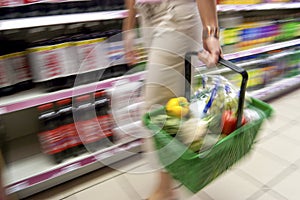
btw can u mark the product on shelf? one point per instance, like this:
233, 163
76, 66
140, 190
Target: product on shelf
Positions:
267, 68
20, 65
230, 32
236, 2
92, 59
15, 74
289, 29
239, 33
32, 8
256, 34
112, 4
53, 142
21, 9
67, 127
116, 53
6, 73
87, 124
102, 107
53, 63
56, 63
292, 67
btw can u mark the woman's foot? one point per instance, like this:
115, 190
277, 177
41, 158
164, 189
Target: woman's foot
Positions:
164, 190
162, 195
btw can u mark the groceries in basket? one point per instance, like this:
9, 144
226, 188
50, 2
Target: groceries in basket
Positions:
211, 136
208, 117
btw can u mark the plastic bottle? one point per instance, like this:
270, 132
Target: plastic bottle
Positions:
10, 12
116, 53
52, 141
7, 85
67, 127
33, 9
87, 123
48, 60
91, 6
91, 57
102, 107
72, 7
52, 8
20, 66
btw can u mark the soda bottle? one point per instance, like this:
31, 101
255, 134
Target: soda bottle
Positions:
102, 107
20, 65
67, 127
48, 62
7, 79
33, 9
53, 143
87, 123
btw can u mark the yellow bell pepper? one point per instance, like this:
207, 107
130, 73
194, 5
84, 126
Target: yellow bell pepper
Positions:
177, 107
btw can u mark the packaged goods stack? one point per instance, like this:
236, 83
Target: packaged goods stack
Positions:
12, 9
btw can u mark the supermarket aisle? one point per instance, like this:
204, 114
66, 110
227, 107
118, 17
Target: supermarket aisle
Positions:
270, 172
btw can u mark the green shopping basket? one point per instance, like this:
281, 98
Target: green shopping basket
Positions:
196, 170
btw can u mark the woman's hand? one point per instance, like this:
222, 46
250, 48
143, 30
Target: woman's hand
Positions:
130, 53
212, 51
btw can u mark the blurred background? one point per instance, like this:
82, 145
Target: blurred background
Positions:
60, 59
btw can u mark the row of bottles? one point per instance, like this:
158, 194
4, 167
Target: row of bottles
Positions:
70, 127
12, 9
273, 66
238, 33
64, 61
234, 2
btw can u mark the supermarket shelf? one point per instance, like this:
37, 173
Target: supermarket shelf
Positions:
39, 181
262, 49
276, 89
252, 7
45, 174
31, 98
257, 50
37, 97
120, 14
248, 63
60, 19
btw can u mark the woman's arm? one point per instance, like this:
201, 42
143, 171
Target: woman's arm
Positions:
129, 24
208, 13
130, 20
209, 18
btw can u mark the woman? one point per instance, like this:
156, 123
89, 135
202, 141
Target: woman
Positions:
171, 28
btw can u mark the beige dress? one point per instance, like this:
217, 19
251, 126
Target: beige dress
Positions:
170, 29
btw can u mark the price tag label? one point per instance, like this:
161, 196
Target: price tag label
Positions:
3, 110
17, 187
71, 167
121, 82
104, 155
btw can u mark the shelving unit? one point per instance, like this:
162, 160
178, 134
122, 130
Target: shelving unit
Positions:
37, 96
39, 169
60, 19
253, 7
119, 14
46, 174
276, 89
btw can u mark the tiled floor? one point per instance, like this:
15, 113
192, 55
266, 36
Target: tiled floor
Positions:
270, 172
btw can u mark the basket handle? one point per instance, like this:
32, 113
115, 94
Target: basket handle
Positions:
232, 66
